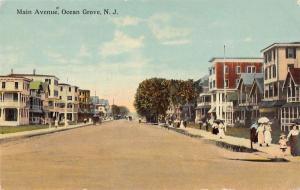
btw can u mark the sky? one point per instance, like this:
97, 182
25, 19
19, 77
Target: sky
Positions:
111, 54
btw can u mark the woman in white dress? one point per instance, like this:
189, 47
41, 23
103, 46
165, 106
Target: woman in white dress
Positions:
260, 134
221, 128
267, 134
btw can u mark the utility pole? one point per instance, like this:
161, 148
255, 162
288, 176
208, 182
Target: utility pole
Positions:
225, 91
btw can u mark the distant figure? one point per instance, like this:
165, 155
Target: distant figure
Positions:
282, 143
56, 123
215, 129
221, 128
292, 137
182, 124
260, 134
140, 120
267, 134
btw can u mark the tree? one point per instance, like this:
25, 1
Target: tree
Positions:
123, 110
152, 98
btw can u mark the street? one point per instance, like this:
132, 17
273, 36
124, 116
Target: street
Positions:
127, 155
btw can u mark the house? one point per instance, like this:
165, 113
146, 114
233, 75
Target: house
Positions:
256, 95
85, 105
224, 75
204, 99
244, 110
291, 110
68, 102
38, 101
53, 91
14, 100
278, 57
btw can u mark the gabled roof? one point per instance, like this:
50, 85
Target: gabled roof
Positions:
294, 73
259, 82
247, 78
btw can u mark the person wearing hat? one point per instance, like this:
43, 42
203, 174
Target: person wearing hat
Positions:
260, 134
282, 143
267, 134
292, 137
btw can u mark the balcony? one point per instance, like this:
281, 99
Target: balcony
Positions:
293, 99
204, 104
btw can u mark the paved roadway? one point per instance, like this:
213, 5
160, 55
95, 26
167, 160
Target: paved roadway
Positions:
127, 155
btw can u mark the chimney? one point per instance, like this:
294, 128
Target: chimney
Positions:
11, 71
33, 71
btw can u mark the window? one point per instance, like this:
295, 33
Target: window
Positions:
69, 97
226, 69
210, 84
75, 98
16, 85
269, 56
61, 88
266, 58
226, 83
3, 84
251, 69
48, 81
271, 91
55, 93
266, 93
274, 71
290, 66
69, 89
266, 74
214, 83
275, 89
238, 69
210, 71
55, 82
274, 54
290, 53
269, 74
60, 97
76, 89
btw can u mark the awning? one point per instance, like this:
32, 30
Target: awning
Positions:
271, 104
267, 110
212, 109
291, 104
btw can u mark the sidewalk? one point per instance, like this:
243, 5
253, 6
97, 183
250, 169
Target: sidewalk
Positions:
271, 152
27, 134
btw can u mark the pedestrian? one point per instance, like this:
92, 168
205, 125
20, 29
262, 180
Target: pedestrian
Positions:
181, 124
221, 128
260, 134
56, 123
267, 134
292, 137
215, 130
282, 143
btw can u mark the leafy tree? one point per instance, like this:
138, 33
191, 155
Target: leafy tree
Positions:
152, 98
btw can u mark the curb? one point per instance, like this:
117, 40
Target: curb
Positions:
39, 133
222, 144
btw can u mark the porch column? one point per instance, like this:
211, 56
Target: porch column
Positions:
18, 116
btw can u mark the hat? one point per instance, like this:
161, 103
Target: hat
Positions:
282, 135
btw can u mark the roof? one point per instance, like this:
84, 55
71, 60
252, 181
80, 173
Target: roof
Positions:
271, 104
32, 75
227, 59
35, 85
295, 73
17, 77
248, 78
281, 44
259, 82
